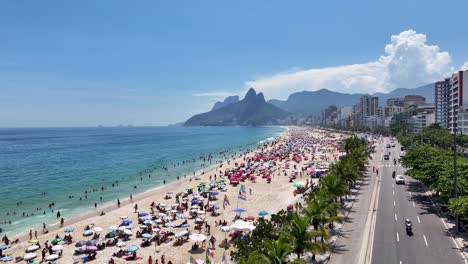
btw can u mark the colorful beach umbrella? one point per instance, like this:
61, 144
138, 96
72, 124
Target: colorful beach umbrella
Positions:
57, 248
262, 213
29, 256
91, 248
69, 229
88, 232
239, 210
132, 248
55, 241
146, 235
297, 184
80, 243
111, 234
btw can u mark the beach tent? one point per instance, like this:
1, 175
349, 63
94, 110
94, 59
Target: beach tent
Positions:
197, 237
241, 225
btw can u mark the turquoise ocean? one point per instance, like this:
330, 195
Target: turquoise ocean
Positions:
39, 167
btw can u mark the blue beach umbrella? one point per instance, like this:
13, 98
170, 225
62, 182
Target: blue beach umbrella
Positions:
80, 243
148, 222
195, 201
216, 207
262, 213
185, 225
146, 235
126, 222
142, 214
132, 248
5, 247
69, 229
239, 210
91, 242
6, 259
214, 193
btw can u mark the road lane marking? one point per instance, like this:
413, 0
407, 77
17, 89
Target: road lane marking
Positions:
410, 193
393, 193
394, 204
425, 240
396, 217
443, 222
397, 237
392, 185
414, 204
401, 262
418, 219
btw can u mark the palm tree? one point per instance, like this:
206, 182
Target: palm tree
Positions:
322, 209
255, 258
302, 237
275, 252
334, 185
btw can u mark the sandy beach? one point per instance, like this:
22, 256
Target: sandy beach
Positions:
260, 195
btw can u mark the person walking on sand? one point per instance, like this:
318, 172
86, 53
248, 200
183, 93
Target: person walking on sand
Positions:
131, 198
150, 260
30, 234
35, 234
61, 222
118, 203
136, 207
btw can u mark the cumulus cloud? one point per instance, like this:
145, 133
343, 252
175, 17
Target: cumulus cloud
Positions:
464, 67
408, 62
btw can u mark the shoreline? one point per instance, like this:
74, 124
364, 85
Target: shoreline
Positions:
271, 197
111, 206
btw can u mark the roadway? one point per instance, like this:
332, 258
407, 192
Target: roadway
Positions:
430, 242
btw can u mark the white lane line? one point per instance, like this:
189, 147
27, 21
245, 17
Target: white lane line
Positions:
443, 222
401, 262
393, 193
418, 219
394, 204
425, 240
410, 193
396, 217
414, 204
397, 237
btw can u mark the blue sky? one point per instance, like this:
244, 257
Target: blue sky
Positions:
158, 62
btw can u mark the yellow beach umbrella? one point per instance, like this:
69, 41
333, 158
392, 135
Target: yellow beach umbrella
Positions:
34, 241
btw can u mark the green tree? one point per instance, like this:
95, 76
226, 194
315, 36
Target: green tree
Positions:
459, 206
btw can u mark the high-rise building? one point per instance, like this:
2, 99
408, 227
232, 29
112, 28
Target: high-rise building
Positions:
442, 99
458, 100
395, 102
413, 100
368, 105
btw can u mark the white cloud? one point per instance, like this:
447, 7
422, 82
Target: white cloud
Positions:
215, 94
408, 62
464, 67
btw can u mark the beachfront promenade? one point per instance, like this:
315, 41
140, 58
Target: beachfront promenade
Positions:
191, 217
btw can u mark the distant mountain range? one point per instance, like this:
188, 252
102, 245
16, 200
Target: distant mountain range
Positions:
253, 110
312, 103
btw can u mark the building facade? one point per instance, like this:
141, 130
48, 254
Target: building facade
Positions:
458, 98
442, 101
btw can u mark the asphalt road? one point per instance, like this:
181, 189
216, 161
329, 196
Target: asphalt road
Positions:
430, 242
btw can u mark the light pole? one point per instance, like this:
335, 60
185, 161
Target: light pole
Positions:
455, 171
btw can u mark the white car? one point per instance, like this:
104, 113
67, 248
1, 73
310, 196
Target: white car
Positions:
400, 179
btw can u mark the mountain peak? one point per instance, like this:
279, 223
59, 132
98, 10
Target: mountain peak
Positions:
251, 93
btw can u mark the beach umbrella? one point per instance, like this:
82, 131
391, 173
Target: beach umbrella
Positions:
250, 217
142, 214
297, 184
69, 229
33, 241
89, 227
55, 241
262, 213
185, 225
146, 235
129, 227
241, 225
91, 248
162, 231
5, 247
100, 239
199, 220
6, 259
225, 229
182, 233
113, 228
29, 256
158, 221
80, 243
128, 232
52, 257
175, 205
121, 244
91, 242
57, 248
126, 222
162, 214
200, 212
123, 217
214, 193
197, 237
97, 229
195, 201
32, 248
143, 226
148, 222
132, 248
88, 232
111, 235
239, 210
216, 207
